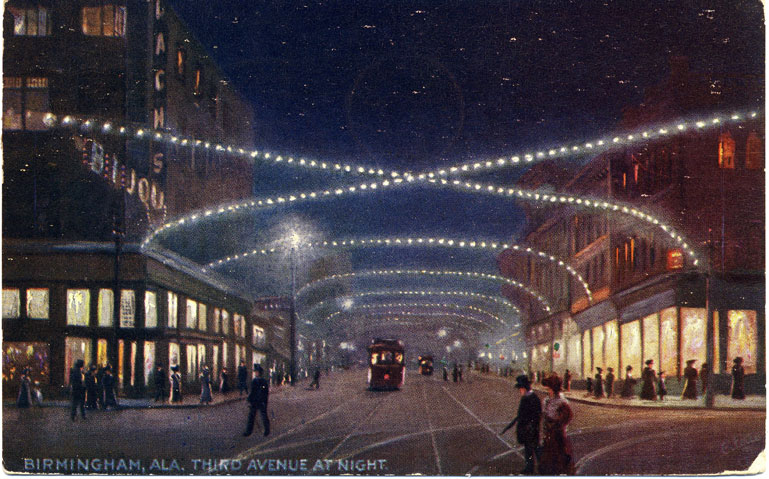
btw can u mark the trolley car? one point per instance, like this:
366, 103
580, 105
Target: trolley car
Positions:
426, 365
386, 362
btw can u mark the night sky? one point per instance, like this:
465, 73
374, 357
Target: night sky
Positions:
420, 85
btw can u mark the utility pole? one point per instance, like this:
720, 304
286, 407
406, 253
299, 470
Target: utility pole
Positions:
292, 320
709, 327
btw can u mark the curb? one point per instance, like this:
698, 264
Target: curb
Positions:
66, 404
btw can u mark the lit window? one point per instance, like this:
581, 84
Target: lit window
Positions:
726, 148
78, 307
173, 310
11, 303
202, 317
258, 335
32, 21
192, 362
104, 21
150, 309
225, 322
754, 154
217, 319
127, 308
198, 88
181, 57
106, 307
37, 303
25, 103
192, 314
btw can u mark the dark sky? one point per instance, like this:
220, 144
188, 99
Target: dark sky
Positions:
418, 85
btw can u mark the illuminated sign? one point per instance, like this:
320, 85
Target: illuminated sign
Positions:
675, 259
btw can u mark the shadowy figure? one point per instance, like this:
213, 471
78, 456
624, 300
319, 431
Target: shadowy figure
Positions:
528, 418
649, 386
738, 379
24, 400
257, 399
628, 384
610, 382
557, 454
77, 389
661, 389
690, 387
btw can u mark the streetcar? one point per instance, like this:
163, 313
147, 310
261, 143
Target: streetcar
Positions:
426, 365
386, 364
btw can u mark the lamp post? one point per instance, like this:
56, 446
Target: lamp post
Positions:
292, 317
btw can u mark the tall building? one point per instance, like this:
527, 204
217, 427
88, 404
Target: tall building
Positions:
649, 300
106, 106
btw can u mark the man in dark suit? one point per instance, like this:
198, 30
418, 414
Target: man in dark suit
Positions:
242, 378
160, 383
257, 399
529, 415
77, 388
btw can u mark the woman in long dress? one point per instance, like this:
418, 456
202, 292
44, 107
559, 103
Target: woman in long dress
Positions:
557, 454
176, 385
649, 386
690, 389
224, 384
205, 386
25, 396
628, 384
738, 379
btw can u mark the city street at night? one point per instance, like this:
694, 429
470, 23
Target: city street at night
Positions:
429, 427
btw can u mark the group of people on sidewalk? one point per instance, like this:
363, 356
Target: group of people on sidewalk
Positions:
653, 382
91, 389
555, 455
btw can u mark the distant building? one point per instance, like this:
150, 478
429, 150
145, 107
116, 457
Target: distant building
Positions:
73, 189
648, 298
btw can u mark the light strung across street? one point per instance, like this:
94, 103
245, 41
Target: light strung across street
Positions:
393, 315
592, 146
424, 272
423, 242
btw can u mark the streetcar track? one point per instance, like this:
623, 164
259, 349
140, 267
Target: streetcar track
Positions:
432, 434
352, 432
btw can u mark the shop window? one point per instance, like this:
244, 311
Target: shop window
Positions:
224, 354
598, 338
630, 339
78, 307
202, 317
217, 319
74, 349
258, 335
17, 356
173, 310
37, 303
150, 309
25, 103
120, 362
716, 344
726, 147
754, 152
133, 363
242, 327
611, 345
191, 318
192, 362
587, 365
236, 324
693, 333
101, 352
669, 340
215, 362
127, 308
104, 21
742, 338
225, 322
11, 303
106, 314
32, 22
651, 335
257, 358
201, 357
173, 355
149, 361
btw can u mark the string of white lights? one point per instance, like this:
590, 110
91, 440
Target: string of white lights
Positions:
593, 146
248, 153
424, 272
467, 294
490, 245
507, 338
395, 315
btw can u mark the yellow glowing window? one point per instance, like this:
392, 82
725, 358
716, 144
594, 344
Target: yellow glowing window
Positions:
726, 147
198, 74
398, 358
106, 306
11, 303
37, 303
104, 21
180, 62
742, 338
78, 307
374, 358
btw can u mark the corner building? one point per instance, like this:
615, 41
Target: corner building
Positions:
649, 300
79, 196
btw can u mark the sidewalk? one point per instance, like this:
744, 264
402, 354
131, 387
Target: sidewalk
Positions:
721, 401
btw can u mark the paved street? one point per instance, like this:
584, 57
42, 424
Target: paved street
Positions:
429, 427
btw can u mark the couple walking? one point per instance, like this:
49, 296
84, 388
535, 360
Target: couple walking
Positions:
555, 457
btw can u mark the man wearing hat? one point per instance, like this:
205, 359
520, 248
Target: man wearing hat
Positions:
598, 387
257, 399
77, 389
160, 383
738, 379
529, 415
690, 374
649, 385
91, 388
609, 382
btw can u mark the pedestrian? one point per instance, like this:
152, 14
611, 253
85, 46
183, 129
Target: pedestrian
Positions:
315, 379
455, 373
91, 388
704, 371
528, 418
205, 386
690, 387
460, 373
557, 455
108, 383
628, 384
661, 389
160, 383
598, 388
176, 384
609, 382
589, 385
649, 385
257, 400
77, 389
224, 381
567, 380
25, 389
445, 374
738, 379
242, 378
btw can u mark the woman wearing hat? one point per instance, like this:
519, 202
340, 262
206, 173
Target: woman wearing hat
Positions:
205, 386
598, 388
690, 374
25, 396
738, 379
176, 384
557, 455
649, 377
628, 384
108, 382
